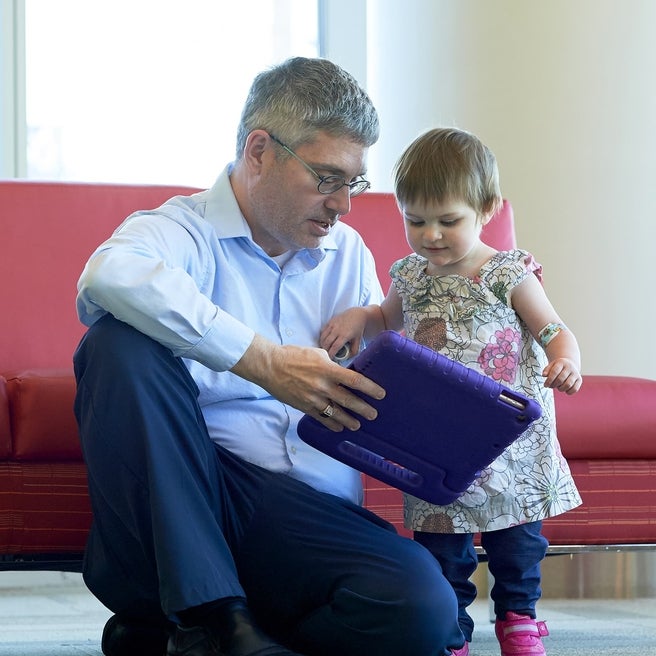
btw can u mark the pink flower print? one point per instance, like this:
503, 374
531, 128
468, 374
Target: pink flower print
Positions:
498, 359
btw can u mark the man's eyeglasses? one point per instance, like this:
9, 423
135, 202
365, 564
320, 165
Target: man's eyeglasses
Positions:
329, 184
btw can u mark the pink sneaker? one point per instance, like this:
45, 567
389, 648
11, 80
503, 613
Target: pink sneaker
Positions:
463, 651
520, 635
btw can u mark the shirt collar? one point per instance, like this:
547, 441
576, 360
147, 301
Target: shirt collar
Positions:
222, 209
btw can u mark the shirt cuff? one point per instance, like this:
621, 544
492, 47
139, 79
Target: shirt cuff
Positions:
224, 344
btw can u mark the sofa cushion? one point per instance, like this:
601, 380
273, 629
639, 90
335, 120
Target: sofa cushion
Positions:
41, 412
610, 417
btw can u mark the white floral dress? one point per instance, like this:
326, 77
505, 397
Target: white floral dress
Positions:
471, 321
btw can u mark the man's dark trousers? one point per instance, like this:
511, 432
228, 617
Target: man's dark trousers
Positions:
180, 521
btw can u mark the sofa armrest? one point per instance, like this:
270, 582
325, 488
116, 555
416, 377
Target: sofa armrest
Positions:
611, 417
5, 428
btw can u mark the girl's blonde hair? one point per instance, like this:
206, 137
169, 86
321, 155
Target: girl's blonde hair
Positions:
448, 164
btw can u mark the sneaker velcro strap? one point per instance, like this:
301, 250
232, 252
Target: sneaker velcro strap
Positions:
525, 626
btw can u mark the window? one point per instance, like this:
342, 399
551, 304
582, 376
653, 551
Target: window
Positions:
148, 91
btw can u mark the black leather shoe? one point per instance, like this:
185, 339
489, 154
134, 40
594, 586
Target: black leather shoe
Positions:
129, 637
232, 633
193, 641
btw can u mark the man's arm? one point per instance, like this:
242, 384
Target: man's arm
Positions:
305, 378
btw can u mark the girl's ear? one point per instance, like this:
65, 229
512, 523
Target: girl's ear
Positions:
485, 218
490, 209
492, 206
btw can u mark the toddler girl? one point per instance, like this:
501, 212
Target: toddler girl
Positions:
488, 310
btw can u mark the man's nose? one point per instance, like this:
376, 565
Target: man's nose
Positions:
339, 201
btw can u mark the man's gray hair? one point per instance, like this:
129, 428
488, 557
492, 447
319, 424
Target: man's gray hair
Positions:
301, 97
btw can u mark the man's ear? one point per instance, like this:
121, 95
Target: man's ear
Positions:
257, 143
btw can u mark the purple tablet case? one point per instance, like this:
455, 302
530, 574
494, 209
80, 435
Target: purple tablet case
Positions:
439, 425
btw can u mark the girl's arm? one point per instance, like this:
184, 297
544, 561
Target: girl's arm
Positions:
355, 323
531, 303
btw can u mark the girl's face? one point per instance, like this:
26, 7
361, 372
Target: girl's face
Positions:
447, 234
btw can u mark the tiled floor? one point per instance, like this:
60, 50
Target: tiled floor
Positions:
52, 614
48, 614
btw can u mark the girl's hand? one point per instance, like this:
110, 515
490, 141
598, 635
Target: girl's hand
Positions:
563, 374
344, 328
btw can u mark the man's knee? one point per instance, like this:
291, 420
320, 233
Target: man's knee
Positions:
409, 609
429, 609
115, 344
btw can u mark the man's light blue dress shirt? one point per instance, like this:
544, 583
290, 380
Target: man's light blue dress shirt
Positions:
189, 275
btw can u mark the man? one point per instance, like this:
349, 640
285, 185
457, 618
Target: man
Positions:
217, 531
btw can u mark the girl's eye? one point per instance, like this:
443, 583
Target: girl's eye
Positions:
448, 223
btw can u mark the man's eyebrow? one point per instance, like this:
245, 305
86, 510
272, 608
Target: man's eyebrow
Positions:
333, 169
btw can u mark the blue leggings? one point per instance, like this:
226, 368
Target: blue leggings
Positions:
514, 556
180, 521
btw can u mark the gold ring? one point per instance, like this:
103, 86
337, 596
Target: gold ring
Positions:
328, 411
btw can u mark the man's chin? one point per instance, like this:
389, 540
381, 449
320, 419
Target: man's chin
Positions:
311, 241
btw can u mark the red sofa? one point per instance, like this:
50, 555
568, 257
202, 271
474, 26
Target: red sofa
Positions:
607, 431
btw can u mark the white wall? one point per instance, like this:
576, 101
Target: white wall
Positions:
565, 94
12, 89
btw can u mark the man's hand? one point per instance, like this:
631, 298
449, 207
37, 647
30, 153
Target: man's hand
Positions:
306, 379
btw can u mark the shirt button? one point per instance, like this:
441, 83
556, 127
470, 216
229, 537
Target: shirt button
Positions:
293, 450
289, 332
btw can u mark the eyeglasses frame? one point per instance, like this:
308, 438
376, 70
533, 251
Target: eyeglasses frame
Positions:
326, 179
